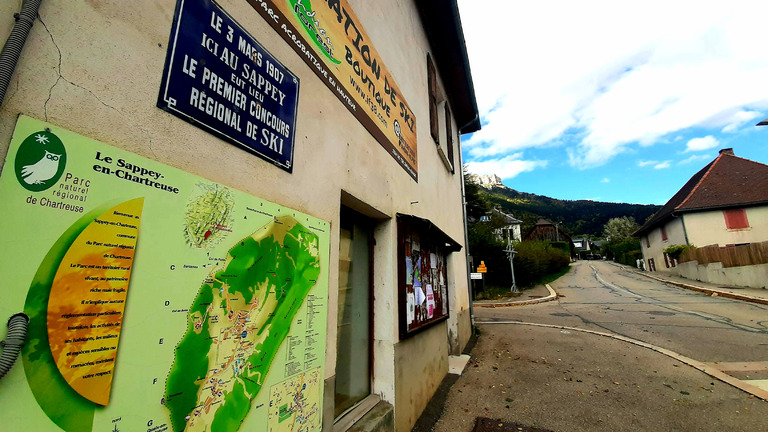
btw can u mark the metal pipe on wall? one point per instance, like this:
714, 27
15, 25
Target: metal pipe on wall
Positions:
17, 333
9, 57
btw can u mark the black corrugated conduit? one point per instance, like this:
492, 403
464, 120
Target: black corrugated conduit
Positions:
15, 43
17, 333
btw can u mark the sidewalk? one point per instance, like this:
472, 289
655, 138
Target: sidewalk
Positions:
572, 381
537, 294
753, 295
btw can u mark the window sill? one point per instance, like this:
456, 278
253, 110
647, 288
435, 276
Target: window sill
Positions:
738, 229
349, 417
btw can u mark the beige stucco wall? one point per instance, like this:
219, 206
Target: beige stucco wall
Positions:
675, 236
417, 381
94, 68
708, 228
752, 276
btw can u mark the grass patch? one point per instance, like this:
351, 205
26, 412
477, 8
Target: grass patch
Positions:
493, 293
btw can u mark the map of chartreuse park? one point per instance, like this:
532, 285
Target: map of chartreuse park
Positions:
238, 320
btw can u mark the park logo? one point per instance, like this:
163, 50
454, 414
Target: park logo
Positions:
40, 161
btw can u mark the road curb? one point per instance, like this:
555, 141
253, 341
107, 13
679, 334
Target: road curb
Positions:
708, 291
552, 296
701, 366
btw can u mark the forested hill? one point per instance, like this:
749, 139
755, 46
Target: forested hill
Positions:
577, 217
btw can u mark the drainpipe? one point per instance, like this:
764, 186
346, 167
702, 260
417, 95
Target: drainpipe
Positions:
466, 241
685, 232
9, 57
17, 333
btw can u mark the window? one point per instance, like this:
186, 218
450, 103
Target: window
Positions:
449, 136
663, 233
355, 316
434, 128
440, 118
647, 242
736, 219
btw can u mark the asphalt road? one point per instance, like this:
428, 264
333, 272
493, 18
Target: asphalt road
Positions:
598, 295
571, 381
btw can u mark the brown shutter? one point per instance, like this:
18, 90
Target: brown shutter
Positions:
449, 136
736, 219
432, 81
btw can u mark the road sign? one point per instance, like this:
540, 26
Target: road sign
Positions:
476, 276
482, 268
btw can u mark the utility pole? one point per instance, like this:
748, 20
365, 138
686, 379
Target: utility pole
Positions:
511, 252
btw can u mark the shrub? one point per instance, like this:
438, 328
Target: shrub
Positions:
537, 259
485, 246
675, 251
624, 251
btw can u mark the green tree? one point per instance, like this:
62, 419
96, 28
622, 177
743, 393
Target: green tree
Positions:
620, 228
477, 206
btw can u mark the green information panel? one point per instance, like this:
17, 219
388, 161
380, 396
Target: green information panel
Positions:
158, 300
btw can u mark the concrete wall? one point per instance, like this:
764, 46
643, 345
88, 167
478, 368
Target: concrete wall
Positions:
95, 68
754, 276
707, 228
675, 236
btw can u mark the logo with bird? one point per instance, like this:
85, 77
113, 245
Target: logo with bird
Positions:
40, 161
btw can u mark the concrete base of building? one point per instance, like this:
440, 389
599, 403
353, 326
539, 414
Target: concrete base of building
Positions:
381, 418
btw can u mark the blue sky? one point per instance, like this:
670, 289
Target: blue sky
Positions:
604, 101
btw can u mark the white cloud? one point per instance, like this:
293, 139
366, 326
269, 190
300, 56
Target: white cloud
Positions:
698, 144
695, 158
739, 119
605, 180
507, 167
603, 86
644, 163
662, 165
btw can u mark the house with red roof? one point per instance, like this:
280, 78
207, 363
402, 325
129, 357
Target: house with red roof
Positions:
725, 203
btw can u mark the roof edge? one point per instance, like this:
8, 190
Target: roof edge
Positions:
442, 25
701, 180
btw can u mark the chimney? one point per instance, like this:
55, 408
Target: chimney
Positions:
727, 151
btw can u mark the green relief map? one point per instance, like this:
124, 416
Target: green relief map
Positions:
238, 320
159, 301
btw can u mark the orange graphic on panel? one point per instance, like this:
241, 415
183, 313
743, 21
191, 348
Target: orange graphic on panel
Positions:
87, 300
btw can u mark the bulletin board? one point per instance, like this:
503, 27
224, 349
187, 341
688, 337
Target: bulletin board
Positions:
423, 250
